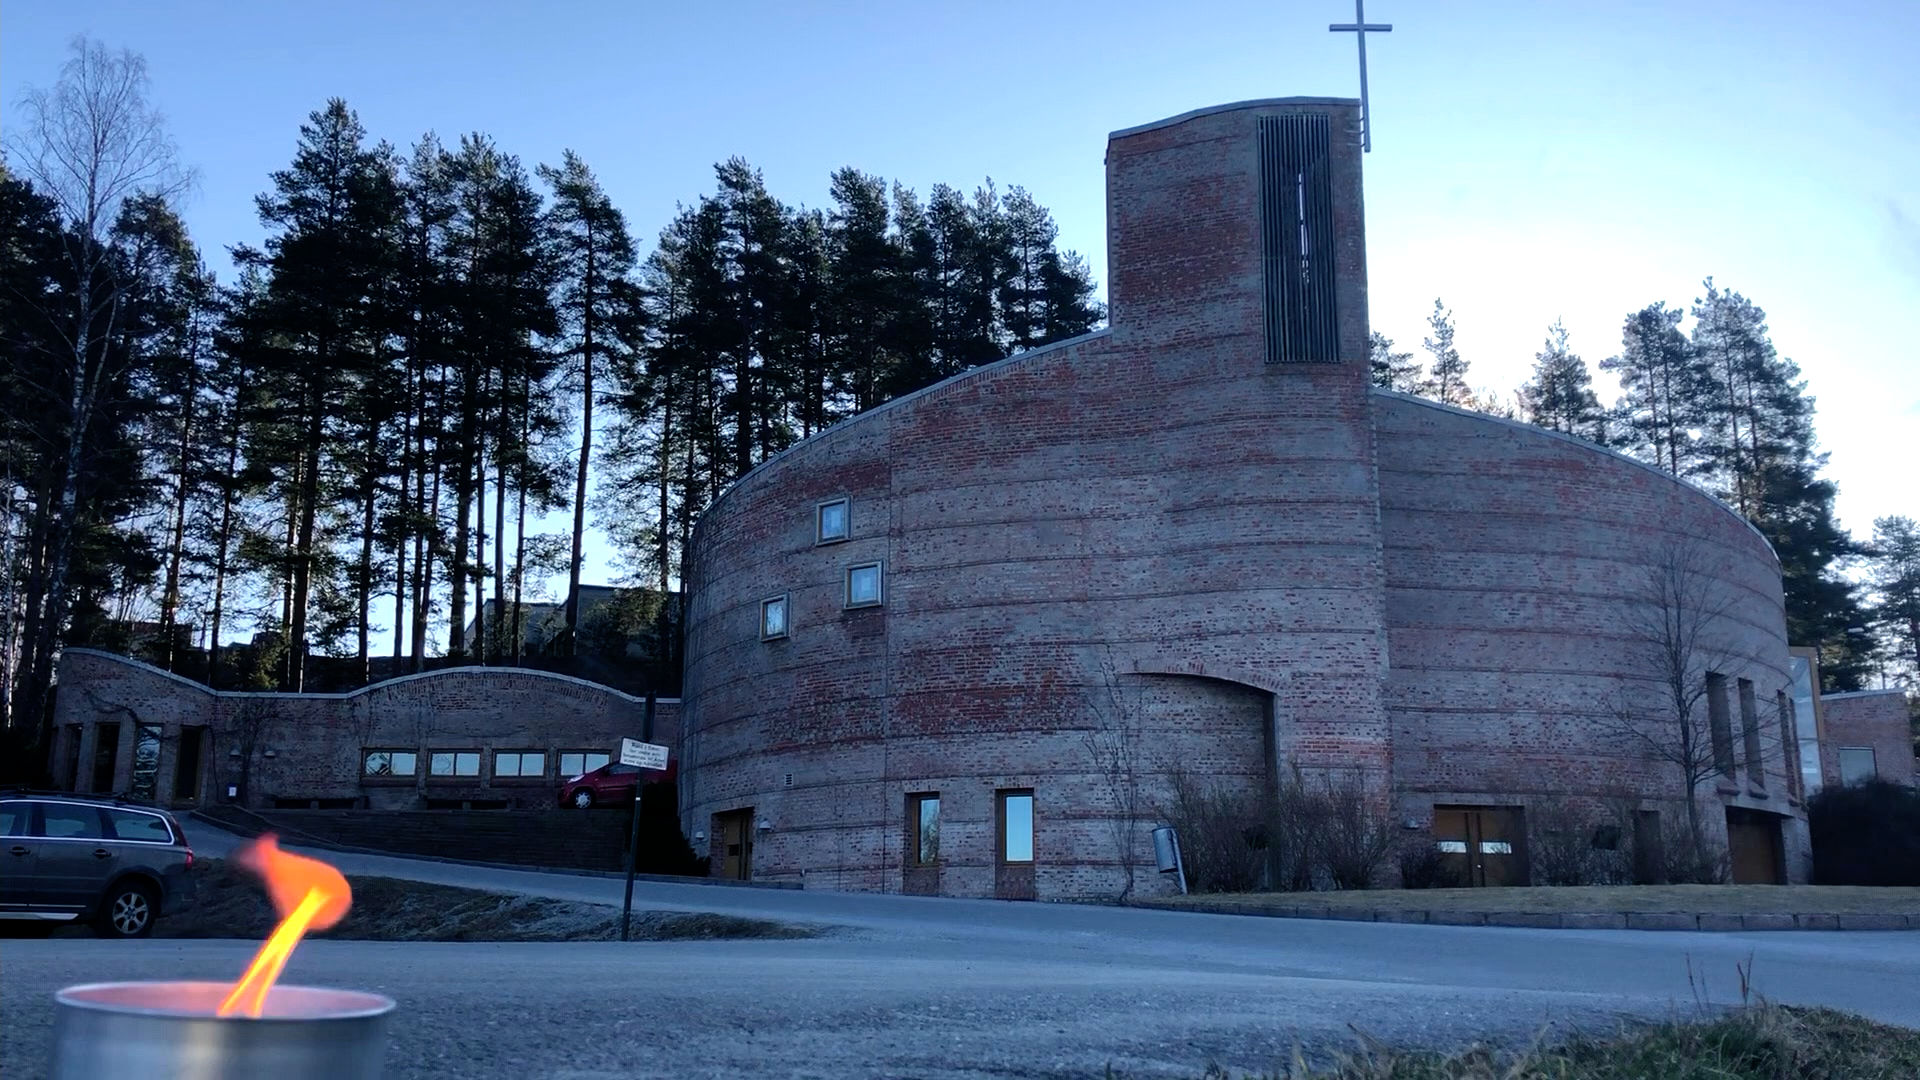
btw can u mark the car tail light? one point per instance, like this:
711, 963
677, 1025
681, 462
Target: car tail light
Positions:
189, 858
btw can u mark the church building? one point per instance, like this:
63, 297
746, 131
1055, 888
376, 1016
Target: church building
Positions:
1202, 530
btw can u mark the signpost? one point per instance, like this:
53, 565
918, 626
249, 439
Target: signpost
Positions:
646, 756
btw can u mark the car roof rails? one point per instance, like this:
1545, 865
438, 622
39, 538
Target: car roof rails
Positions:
118, 799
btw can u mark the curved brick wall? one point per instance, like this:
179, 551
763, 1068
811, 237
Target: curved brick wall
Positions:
1512, 557
1153, 523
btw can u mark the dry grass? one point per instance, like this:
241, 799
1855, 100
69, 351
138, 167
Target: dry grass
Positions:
1764, 1042
1645, 899
231, 904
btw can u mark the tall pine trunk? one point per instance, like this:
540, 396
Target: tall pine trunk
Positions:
586, 449
177, 541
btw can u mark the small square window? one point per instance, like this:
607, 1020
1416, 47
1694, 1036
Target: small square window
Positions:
832, 521
773, 618
453, 763
863, 585
1857, 765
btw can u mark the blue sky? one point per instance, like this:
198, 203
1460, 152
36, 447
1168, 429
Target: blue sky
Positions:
1531, 161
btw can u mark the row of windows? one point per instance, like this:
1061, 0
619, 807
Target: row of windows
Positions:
456, 764
80, 821
1720, 726
1013, 821
864, 588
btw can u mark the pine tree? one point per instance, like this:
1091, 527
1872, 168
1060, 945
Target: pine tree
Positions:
1560, 395
335, 209
1446, 380
1391, 370
1660, 379
1893, 569
597, 307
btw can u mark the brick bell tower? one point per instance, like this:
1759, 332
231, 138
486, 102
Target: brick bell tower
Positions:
1237, 263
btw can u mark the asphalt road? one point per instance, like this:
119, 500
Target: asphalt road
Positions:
915, 987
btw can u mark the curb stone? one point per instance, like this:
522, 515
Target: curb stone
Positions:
1717, 922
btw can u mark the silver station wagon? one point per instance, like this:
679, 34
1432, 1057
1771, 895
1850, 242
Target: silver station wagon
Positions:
117, 864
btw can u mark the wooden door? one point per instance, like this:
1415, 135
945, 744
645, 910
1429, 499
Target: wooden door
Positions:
735, 830
1014, 845
1754, 847
1483, 845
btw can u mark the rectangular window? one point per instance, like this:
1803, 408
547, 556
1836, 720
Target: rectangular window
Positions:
453, 763
1806, 723
1750, 734
389, 764
923, 823
581, 762
1016, 826
773, 617
1857, 765
519, 763
863, 585
832, 522
68, 821
134, 825
1720, 718
1789, 747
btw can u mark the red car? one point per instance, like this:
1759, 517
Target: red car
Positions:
609, 785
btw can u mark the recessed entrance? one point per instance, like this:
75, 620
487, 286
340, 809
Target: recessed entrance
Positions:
1754, 847
1483, 845
735, 832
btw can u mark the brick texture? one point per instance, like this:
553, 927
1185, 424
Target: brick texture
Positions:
309, 746
1247, 564
1876, 719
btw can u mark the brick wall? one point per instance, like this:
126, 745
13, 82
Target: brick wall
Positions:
309, 746
1517, 561
1876, 719
1154, 524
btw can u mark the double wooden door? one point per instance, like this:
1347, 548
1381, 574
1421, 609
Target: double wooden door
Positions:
1485, 845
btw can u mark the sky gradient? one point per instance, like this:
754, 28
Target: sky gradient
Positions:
1531, 162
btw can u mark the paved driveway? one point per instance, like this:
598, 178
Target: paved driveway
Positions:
922, 987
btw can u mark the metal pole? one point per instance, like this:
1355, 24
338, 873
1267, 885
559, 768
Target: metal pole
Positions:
1179, 864
1366, 111
633, 841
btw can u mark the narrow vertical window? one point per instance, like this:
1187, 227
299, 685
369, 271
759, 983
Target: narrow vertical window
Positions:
1016, 826
773, 617
923, 823
1720, 721
1750, 734
832, 521
1789, 746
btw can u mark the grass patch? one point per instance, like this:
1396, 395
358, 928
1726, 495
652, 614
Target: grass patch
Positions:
230, 903
1762, 1042
1645, 899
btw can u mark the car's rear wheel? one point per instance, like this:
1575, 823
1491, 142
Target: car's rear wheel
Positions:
129, 911
583, 799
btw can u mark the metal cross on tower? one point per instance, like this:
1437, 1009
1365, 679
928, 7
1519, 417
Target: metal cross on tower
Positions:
1360, 29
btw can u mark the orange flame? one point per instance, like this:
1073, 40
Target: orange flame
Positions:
308, 894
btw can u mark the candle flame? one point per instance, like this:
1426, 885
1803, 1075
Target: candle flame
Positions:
308, 895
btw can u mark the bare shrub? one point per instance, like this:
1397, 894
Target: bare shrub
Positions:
1296, 829
1422, 866
1567, 846
1691, 858
1219, 831
1356, 834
